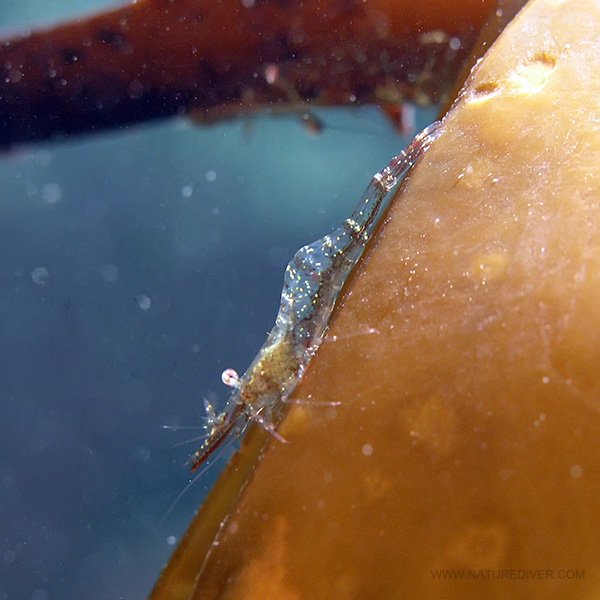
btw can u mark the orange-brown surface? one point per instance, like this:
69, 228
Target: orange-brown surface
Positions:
156, 58
468, 436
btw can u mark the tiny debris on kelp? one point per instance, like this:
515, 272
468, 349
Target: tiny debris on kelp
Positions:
312, 282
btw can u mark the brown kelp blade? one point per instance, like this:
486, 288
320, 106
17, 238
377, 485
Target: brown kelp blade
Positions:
152, 59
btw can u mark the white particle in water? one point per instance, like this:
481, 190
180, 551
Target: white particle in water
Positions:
40, 276
171, 540
14, 75
109, 273
331, 413
211, 175
576, 471
51, 193
455, 43
187, 191
144, 302
271, 74
367, 449
214, 236
142, 453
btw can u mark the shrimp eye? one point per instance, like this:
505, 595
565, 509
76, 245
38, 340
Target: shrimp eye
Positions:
230, 378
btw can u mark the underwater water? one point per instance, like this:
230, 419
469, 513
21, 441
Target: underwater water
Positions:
134, 267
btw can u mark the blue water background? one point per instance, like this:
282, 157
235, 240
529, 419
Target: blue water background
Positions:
134, 267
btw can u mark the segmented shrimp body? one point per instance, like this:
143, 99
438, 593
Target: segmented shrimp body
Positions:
258, 395
312, 282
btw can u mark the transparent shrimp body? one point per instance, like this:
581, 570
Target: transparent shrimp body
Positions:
312, 282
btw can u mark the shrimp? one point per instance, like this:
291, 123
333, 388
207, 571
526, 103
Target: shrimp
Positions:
312, 282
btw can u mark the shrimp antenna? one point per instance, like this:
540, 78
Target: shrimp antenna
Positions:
215, 455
